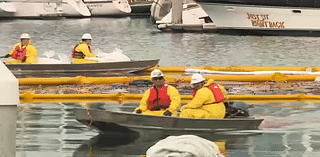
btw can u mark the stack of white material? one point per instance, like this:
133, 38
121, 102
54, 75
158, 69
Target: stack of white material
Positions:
50, 60
184, 146
115, 56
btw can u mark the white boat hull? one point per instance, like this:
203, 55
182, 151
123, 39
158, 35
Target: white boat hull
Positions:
193, 19
108, 7
37, 9
7, 9
263, 18
75, 8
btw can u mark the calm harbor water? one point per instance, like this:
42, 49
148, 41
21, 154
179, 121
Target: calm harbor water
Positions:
46, 129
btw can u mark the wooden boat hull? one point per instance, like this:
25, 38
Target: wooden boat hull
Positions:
107, 120
72, 70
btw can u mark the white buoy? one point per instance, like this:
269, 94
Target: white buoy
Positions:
9, 99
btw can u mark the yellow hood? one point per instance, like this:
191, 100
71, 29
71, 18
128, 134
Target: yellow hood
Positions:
210, 81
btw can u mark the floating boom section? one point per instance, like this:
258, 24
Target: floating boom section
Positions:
29, 97
236, 68
169, 79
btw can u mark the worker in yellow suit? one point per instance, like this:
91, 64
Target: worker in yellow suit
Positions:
160, 100
82, 50
23, 52
208, 99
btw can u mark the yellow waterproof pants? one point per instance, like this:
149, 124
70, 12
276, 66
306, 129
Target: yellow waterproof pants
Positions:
29, 60
200, 113
78, 60
159, 113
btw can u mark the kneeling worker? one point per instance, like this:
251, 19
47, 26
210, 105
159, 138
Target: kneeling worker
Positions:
160, 100
82, 50
23, 52
207, 101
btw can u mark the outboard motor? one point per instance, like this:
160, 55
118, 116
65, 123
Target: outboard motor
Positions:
237, 109
159, 9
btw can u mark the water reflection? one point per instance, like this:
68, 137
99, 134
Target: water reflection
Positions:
135, 144
51, 130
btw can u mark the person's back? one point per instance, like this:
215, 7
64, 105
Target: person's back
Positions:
23, 52
207, 102
83, 50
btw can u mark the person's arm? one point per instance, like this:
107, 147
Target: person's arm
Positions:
198, 100
31, 51
224, 92
144, 101
85, 50
175, 99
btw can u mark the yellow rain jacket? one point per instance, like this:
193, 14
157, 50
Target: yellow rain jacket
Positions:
83, 47
31, 53
196, 109
174, 105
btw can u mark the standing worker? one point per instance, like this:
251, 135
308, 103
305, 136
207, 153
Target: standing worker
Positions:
82, 50
23, 52
160, 100
208, 99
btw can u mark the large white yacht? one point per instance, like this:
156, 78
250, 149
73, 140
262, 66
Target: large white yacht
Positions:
265, 17
108, 7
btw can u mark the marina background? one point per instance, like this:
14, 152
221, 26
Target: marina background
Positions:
50, 129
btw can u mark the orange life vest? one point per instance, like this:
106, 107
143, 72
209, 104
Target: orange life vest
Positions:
159, 99
74, 50
19, 53
217, 93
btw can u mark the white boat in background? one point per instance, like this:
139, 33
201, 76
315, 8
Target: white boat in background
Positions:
75, 8
261, 17
140, 7
37, 9
7, 9
108, 7
194, 18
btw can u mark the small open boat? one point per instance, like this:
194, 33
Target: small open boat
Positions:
88, 69
122, 118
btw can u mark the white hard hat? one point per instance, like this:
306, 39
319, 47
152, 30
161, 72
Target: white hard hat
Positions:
25, 36
156, 73
197, 78
86, 36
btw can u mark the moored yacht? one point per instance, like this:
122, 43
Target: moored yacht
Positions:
261, 17
193, 17
108, 7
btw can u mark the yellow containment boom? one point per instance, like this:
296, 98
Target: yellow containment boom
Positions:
125, 97
236, 68
169, 79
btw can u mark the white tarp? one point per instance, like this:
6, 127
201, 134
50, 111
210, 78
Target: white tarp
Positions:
184, 146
